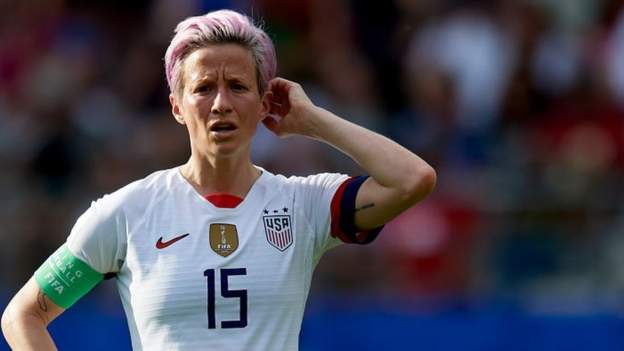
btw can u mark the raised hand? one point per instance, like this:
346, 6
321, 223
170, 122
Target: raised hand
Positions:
291, 110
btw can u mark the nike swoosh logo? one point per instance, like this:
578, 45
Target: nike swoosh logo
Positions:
163, 244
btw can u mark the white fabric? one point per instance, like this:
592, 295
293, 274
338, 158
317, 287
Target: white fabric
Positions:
164, 291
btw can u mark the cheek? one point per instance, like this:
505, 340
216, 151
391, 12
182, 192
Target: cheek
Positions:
254, 109
197, 107
255, 117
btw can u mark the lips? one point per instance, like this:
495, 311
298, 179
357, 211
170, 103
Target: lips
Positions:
223, 129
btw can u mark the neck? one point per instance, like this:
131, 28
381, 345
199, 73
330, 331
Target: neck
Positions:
231, 176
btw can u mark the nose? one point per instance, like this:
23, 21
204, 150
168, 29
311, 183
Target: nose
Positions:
221, 104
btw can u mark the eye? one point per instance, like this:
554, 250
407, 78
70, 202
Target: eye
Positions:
202, 88
239, 87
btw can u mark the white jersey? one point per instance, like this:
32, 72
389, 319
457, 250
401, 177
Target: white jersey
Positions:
193, 276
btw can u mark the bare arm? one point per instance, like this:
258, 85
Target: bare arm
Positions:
399, 178
26, 318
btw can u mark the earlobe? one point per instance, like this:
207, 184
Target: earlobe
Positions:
175, 109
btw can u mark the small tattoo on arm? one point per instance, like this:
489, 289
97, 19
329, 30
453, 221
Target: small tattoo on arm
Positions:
42, 303
365, 207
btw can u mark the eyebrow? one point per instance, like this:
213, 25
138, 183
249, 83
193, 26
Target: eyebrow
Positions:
229, 78
203, 77
239, 80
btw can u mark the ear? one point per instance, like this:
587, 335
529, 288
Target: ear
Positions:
266, 104
175, 109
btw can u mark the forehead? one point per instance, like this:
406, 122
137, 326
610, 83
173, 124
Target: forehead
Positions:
220, 59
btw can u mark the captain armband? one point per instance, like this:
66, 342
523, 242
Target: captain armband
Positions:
65, 278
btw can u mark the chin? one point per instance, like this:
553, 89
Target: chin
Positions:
225, 153
227, 150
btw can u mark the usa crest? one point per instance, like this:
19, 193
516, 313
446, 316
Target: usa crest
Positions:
223, 238
278, 231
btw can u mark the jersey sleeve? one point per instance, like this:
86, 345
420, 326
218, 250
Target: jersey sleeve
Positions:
343, 214
98, 237
313, 197
94, 251
327, 201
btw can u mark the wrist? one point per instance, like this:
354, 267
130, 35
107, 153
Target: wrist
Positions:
320, 122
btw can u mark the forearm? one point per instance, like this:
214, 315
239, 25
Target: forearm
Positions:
388, 163
26, 332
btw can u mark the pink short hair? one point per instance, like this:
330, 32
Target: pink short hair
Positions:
219, 27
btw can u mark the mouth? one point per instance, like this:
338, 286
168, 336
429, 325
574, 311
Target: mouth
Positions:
223, 128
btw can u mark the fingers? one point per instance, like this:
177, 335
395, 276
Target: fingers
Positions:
271, 124
285, 87
280, 86
279, 97
281, 83
279, 109
288, 108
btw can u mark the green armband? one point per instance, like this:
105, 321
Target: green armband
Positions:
65, 279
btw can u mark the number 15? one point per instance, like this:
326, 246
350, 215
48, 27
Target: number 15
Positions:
226, 292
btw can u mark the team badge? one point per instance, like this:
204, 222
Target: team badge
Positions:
223, 238
278, 230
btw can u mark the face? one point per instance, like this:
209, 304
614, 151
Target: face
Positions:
220, 102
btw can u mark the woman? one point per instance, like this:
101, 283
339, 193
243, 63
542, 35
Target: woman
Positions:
219, 253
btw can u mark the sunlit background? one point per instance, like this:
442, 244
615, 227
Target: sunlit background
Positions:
518, 104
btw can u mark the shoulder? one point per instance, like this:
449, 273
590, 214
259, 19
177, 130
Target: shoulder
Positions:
141, 191
317, 181
314, 182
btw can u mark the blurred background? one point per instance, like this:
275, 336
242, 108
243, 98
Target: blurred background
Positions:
518, 104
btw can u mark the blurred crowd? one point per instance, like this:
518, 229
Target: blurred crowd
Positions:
518, 104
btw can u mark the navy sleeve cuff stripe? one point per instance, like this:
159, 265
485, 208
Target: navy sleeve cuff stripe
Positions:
343, 214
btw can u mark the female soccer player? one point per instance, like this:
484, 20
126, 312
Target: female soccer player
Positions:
218, 253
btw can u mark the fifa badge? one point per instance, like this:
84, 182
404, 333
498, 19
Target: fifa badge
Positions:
223, 238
